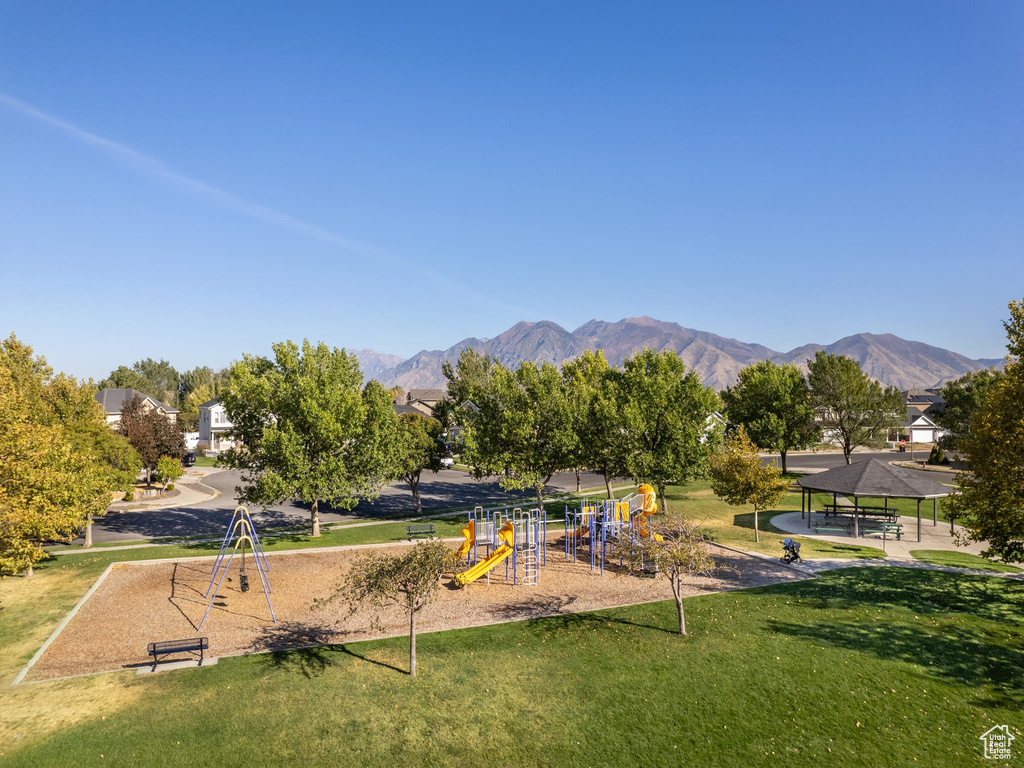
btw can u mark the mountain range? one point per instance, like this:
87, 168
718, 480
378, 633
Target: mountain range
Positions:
885, 357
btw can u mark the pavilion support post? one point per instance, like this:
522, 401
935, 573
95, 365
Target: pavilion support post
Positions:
803, 500
935, 512
856, 516
919, 521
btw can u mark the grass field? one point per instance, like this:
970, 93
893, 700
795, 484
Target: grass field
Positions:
962, 560
860, 667
734, 526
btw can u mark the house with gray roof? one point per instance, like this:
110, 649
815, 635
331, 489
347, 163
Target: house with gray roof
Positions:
214, 424
113, 400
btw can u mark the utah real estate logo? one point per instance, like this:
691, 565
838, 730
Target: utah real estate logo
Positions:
997, 742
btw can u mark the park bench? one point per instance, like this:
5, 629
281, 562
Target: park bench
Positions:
420, 529
188, 645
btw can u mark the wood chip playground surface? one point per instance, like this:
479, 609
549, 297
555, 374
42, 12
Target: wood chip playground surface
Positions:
139, 603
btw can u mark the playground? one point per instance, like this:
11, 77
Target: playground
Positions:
137, 603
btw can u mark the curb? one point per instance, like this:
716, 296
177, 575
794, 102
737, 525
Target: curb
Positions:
53, 636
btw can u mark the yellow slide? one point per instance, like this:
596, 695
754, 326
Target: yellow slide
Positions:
506, 534
650, 508
470, 533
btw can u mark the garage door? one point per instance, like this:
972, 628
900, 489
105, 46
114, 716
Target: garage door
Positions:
922, 435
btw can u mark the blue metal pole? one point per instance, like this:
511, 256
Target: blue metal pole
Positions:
223, 544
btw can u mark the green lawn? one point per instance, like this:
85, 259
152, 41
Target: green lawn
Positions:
961, 560
864, 667
734, 526
206, 461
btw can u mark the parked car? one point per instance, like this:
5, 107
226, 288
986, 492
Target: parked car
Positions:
447, 462
189, 459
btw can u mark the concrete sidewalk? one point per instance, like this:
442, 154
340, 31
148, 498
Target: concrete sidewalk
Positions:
191, 490
933, 536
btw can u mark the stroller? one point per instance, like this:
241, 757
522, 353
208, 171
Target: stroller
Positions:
792, 550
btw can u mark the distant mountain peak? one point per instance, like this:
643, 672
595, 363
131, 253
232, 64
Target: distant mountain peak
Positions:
718, 359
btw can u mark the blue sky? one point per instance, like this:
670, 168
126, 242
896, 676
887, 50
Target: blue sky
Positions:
195, 182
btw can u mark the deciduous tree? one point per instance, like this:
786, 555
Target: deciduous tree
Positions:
150, 433
964, 398
667, 432
990, 504
48, 490
676, 549
523, 431
418, 449
409, 580
592, 390
852, 408
773, 403
306, 430
739, 477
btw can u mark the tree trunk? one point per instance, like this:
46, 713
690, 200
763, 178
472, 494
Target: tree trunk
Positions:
540, 496
578, 488
415, 485
28, 572
608, 484
757, 538
783, 455
88, 531
412, 643
314, 518
661, 495
677, 592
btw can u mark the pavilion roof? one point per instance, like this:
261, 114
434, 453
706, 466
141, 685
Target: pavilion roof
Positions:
875, 477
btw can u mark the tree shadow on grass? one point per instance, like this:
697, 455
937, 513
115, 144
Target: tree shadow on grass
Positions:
305, 648
968, 656
921, 591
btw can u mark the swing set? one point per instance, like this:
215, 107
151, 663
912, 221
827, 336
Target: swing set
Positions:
242, 532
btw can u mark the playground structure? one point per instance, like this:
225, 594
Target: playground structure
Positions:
595, 525
494, 536
241, 531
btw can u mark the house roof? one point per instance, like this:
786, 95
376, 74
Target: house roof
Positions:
431, 395
210, 403
874, 477
113, 399
400, 409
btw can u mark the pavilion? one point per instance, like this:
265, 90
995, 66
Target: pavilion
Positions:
871, 478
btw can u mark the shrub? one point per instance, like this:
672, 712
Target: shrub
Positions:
129, 495
937, 456
170, 486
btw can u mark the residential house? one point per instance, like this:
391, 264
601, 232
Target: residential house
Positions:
113, 400
213, 426
427, 397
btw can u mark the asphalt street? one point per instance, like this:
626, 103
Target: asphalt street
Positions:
447, 489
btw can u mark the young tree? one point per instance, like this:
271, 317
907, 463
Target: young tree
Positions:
990, 504
418, 449
306, 431
678, 550
151, 434
853, 408
409, 580
773, 403
964, 398
523, 431
739, 477
591, 387
168, 469
666, 420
